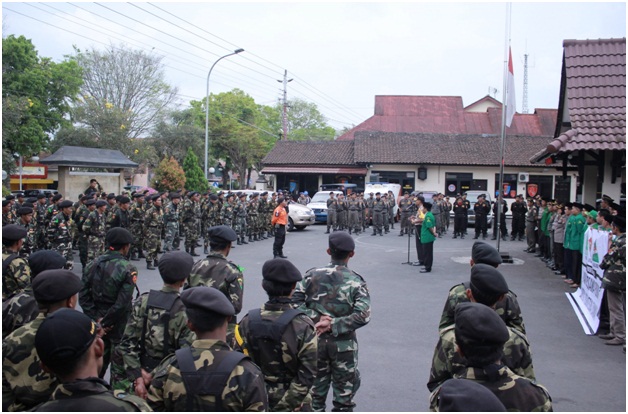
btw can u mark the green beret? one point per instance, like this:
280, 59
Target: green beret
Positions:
479, 324
118, 236
340, 240
463, 395
63, 337
55, 285
487, 284
45, 260
175, 266
207, 299
222, 234
485, 253
13, 232
280, 270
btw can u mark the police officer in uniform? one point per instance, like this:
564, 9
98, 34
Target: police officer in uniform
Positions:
482, 210
379, 207
519, 211
332, 220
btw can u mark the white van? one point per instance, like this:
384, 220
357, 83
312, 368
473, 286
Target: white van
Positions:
384, 188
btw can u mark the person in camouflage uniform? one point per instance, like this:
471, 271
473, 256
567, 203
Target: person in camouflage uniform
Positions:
338, 300
614, 281
153, 231
119, 216
332, 214
69, 345
107, 293
25, 219
505, 303
480, 335
252, 218
171, 223
94, 230
39, 213
24, 383
218, 272
8, 215
288, 359
157, 327
190, 380
272, 205
51, 211
212, 218
265, 216
227, 212
16, 274
60, 232
111, 204
136, 226
190, 217
22, 308
240, 214
81, 215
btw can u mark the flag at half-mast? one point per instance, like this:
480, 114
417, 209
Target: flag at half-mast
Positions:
510, 92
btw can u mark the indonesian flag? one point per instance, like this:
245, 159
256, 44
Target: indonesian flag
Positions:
510, 92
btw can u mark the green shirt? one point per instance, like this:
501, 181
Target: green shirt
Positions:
426, 230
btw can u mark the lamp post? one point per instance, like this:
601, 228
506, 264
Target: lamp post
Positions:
235, 52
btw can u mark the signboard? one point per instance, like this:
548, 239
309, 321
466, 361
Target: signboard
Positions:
32, 171
533, 189
451, 188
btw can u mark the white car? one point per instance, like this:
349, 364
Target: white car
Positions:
299, 216
319, 205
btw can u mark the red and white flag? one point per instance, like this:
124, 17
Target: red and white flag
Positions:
510, 92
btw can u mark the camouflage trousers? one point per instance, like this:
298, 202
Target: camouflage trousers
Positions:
253, 222
119, 380
138, 238
172, 238
95, 247
192, 234
152, 243
338, 366
65, 250
240, 227
83, 249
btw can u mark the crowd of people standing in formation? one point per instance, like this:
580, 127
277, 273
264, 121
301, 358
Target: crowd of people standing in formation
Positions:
182, 348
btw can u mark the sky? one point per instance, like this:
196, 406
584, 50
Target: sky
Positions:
339, 55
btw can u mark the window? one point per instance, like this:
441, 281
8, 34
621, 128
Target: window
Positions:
510, 185
457, 183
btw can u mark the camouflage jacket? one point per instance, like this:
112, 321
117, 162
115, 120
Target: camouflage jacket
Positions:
93, 394
154, 220
24, 383
171, 214
190, 212
336, 291
94, 225
107, 292
8, 218
240, 209
446, 362
515, 392
18, 310
51, 211
118, 218
60, 229
30, 241
614, 265
218, 272
244, 390
136, 214
145, 336
17, 275
226, 214
79, 217
213, 213
508, 308
290, 367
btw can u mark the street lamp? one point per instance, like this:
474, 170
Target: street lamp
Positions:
235, 52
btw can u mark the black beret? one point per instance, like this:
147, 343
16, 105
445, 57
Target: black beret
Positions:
55, 285
606, 198
175, 266
193, 193
213, 197
589, 207
463, 395
485, 253
156, 197
340, 240
63, 337
207, 299
124, 200
13, 232
577, 205
487, 284
31, 200
174, 195
118, 236
110, 196
222, 234
264, 193
57, 197
615, 206
27, 204
220, 193
118, 197
65, 204
619, 221
45, 260
101, 203
85, 197
10, 197
40, 196
240, 195
24, 210
569, 205
280, 270
137, 195
91, 202
477, 323
19, 195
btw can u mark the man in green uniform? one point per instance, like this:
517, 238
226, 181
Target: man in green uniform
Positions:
16, 274
136, 226
428, 235
190, 217
240, 214
24, 383
59, 232
480, 336
153, 230
81, 215
69, 346
94, 230
338, 300
209, 375
281, 341
107, 293
157, 327
25, 219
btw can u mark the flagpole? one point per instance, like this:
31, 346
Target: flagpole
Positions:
503, 132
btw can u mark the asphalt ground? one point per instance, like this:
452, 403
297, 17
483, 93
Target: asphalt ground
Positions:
396, 347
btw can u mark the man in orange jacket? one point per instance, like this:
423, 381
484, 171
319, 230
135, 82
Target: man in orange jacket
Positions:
279, 222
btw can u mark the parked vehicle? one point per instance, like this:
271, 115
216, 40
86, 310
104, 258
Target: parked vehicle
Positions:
346, 188
34, 192
299, 216
319, 205
472, 198
384, 188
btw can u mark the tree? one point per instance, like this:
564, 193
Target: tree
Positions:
194, 175
176, 134
168, 176
36, 96
305, 122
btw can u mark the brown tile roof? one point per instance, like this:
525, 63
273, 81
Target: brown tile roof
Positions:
444, 149
594, 83
447, 115
310, 153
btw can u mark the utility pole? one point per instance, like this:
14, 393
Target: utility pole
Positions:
524, 106
285, 103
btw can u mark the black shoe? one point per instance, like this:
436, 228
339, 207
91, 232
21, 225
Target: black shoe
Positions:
425, 270
417, 264
400, 234
205, 250
476, 237
374, 234
559, 272
282, 256
462, 237
149, 266
455, 236
327, 232
493, 238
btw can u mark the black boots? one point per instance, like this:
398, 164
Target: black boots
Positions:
193, 252
149, 265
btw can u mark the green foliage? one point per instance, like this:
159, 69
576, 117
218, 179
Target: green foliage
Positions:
305, 122
194, 175
168, 176
174, 136
5, 191
36, 95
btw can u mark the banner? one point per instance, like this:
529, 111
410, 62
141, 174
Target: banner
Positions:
586, 301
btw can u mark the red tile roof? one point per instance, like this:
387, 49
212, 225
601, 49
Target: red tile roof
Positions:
310, 153
594, 84
447, 115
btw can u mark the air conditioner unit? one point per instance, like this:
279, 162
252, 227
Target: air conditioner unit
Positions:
524, 177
